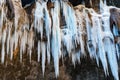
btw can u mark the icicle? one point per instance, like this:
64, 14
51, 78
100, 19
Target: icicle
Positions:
80, 31
48, 51
3, 46
76, 57
110, 50
56, 36
23, 43
30, 55
101, 51
11, 48
43, 48
92, 39
71, 26
16, 36
101, 6
117, 50
2, 16
67, 40
88, 27
38, 51
109, 43
30, 42
39, 18
105, 2
8, 38
1, 2
90, 44
70, 18
48, 30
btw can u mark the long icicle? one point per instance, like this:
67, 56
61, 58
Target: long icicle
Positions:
109, 43
56, 37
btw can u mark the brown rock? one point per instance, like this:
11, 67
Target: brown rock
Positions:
115, 17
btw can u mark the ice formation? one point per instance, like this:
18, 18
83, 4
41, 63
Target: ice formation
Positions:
79, 31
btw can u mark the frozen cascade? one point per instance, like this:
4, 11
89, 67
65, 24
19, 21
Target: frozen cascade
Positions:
80, 30
56, 36
39, 26
109, 43
92, 39
47, 21
67, 40
71, 24
70, 29
110, 50
101, 51
42, 22
53, 40
66, 33
39, 18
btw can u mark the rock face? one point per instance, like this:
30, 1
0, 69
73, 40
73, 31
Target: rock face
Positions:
30, 36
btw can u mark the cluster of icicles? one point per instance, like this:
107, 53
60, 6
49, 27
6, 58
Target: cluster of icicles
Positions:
69, 39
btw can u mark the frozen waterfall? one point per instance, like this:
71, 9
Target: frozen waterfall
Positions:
83, 28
